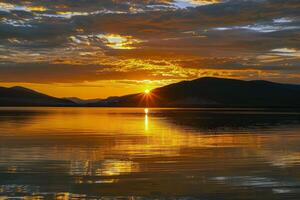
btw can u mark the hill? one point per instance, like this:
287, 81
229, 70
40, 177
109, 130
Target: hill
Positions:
202, 92
215, 92
20, 96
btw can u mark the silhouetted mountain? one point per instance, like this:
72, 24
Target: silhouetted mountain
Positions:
214, 92
202, 92
83, 101
20, 96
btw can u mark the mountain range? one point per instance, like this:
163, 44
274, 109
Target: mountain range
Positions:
20, 96
202, 92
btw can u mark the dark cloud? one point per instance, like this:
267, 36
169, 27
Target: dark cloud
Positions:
64, 73
166, 38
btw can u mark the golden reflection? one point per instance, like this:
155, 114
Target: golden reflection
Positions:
117, 167
36, 197
128, 137
62, 196
146, 110
118, 136
12, 169
84, 168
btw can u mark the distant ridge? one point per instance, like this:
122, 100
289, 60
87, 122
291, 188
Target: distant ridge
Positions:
20, 96
216, 92
82, 101
202, 92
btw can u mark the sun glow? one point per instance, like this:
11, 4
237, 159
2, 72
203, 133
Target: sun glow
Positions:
147, 91
37, 8
116, 41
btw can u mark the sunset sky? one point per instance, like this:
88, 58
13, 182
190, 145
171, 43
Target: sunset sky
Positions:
100, 48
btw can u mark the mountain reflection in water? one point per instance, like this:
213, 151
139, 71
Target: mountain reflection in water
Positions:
110, 153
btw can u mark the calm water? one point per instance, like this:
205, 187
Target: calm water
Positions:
124, 153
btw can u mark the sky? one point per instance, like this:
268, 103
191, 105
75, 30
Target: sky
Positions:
101, 48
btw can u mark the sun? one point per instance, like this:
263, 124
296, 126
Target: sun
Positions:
147, 91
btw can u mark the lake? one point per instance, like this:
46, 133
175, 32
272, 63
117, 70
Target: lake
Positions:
137, 153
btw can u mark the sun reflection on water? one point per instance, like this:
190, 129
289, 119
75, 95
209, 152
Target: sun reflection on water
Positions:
117, 167
138, 147
146, 110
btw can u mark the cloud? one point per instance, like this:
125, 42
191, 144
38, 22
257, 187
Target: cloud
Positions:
91, 40
69, 73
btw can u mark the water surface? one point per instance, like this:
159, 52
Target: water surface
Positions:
127, 153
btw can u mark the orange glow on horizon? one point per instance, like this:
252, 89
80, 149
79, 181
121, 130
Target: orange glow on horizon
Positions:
91, 90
